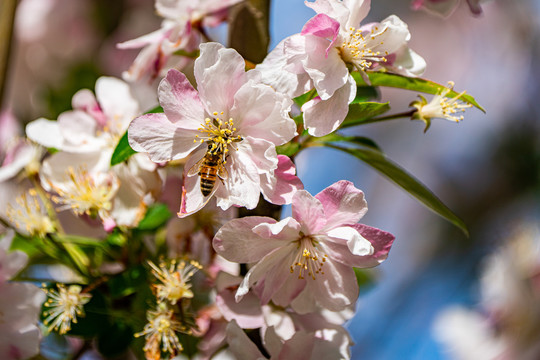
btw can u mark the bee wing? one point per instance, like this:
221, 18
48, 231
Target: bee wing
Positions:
222, 172
194, 170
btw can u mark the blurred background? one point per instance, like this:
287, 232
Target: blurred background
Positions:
440, 295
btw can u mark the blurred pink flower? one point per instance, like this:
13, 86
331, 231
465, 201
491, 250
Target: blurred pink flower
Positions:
181, 30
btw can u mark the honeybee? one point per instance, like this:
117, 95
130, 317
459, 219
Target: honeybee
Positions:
210, 168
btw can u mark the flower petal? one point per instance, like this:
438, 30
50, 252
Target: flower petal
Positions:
325, 66
323, 26
116, 101
262, 113
45, 132
280, 188
357, 244
180, 101
343, 204
308, 211
160, 138
219, 72
335, 288
240, 344
236, 241
321, 117
276, 72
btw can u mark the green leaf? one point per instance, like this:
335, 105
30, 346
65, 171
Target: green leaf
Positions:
399, 176
289, 149
123, 151
410, 83
365, 93
190, 54
363, 277
127, 282
363, 113
304, 98
357, 140
115, 339
157, 109
157, 215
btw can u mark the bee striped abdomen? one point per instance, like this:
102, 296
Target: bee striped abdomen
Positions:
208, 174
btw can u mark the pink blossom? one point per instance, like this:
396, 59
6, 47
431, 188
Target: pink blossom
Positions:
181, 29
331, 44
306, 260
445, 8
234, 120
20, 305
86, 138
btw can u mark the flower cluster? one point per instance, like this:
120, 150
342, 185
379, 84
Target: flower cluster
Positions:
166, 225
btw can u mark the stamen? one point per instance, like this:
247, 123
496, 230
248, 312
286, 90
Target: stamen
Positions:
309, 259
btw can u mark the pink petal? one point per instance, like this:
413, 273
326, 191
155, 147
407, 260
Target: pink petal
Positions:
380, 240
335, 288
276, 68
192, 197
299, 347
262, 113
280, 188
325, 66
180, 101
357, 244
240, 344
269, 263
309, 212
242, 185
219, 72
236, 241
77, 127
289, 290
160, 138
116, 102
321, 117
85, 100
343, 204
247, 313
335, 9
287, 229
323, 26
358, 11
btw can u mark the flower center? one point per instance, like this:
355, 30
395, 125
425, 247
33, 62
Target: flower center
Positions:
86, 193
443, 107
218, 134
308, 258
66, 304
174, 280
358, 47
28, 215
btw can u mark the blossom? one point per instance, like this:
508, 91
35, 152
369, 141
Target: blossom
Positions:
440, 107
20, 305
307, 259
28, 215
330, 45
181, 29
228, 132
80, 173
302, 345
445, 8
65, 305
174, 280
161, 329
17, 156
